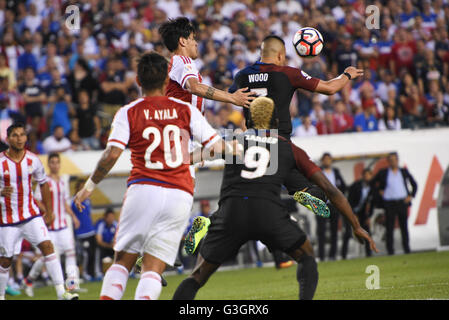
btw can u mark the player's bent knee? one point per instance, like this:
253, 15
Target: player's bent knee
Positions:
5, 262
46, 247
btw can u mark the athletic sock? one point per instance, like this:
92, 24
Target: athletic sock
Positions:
36, 269
54, 269
71, 268
4, 275
187, 290
149, 287
307, 276
114, 283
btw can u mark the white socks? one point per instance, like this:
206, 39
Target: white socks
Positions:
55, 271
36, 269
114, 283
4, 275
149, 287
71, 268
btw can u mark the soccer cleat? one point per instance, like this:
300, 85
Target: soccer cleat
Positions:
69, 296
11, 291
284, 265
312, 203
27, 287
197, 232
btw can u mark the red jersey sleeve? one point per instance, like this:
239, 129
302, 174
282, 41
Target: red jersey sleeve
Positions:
303, 162
301, 80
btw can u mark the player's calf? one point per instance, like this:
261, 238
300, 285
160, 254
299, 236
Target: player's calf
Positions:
307, 270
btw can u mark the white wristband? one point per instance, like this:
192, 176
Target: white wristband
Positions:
89, 185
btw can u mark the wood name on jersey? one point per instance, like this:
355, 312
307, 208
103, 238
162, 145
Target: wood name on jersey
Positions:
164, 114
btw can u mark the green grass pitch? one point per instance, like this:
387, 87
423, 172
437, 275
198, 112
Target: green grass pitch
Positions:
415, 276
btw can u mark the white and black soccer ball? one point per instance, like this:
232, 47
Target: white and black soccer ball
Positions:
308, 42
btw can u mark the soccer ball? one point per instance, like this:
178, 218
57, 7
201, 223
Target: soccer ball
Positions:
308, 42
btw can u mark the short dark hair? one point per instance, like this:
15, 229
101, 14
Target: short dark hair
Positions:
174, 29
52, 155
393, 154
273, 36
152, 71
326, 154
108, 210
14, 126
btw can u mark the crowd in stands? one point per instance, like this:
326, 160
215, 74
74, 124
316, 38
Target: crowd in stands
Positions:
68, 83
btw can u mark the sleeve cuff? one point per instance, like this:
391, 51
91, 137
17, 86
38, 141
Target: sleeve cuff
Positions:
116, 143
186, 77
214, 138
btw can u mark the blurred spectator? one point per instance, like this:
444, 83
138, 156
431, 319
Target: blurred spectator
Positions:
105, 232
402, 52
307, 129
365, 120
390, 120
393, 183
343, 120
334, 176
60, 110
7, 72
57, 142
85, 236
360, 198
345, 55
27, 59
327, 125
81, 79
86, 122
34, 96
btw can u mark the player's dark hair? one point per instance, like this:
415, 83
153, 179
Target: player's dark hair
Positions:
174, 29
273, 36
14, 126
53, 155
152, 71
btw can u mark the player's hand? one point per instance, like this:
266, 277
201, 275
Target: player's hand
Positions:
82, 195
49, 217
354, 72
361, 235
76, 222
242, 98
7, 192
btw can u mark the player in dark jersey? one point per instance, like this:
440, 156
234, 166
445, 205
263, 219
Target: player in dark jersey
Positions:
251, 208
271, 78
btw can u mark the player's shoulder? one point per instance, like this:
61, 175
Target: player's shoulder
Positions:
30, 155
178, 59
181, 104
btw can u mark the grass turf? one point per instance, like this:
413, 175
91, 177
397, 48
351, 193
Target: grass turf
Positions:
414, 276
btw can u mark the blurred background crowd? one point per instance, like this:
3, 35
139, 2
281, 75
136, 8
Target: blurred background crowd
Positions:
67, 84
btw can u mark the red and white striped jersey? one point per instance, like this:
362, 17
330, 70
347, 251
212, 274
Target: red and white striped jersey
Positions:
21, 206
59, 197
180, 69
157, 130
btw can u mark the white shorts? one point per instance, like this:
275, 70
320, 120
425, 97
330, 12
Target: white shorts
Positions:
153, 220
62, 240
34, 230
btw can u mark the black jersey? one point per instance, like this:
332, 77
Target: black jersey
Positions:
278, 83
266, 162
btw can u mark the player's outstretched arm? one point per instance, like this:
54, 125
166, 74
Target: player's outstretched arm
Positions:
108, 159
238, 98
341, 203
218, 150
334, 85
